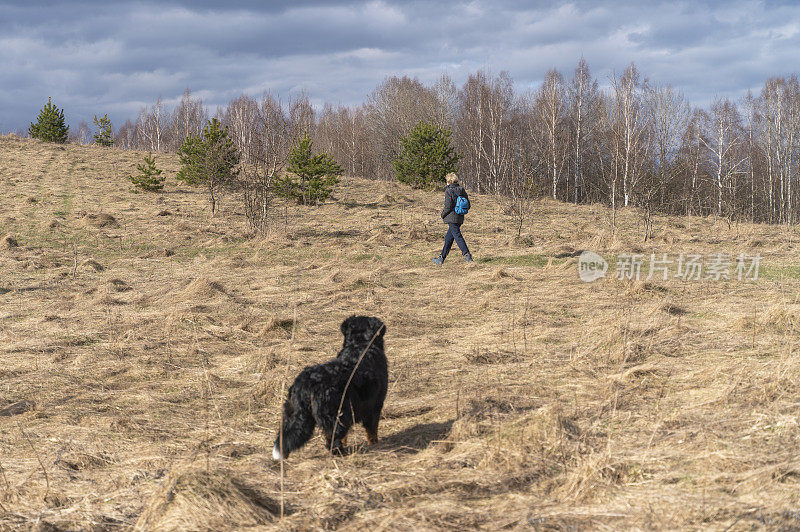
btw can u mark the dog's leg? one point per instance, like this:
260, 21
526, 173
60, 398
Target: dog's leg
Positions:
334, 423
341, 426
370, 423
335, 442
340, 437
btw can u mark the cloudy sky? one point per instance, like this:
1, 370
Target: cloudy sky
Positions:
116, 57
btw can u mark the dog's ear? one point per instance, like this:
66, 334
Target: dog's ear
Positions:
347, 325
377, 326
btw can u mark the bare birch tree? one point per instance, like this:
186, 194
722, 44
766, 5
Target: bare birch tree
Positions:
188, 118
550, 126
152, 127
485, 125
126, 136
240, 116
630, 127
394, 107
723, 139
269, 151
668, 116
583, 102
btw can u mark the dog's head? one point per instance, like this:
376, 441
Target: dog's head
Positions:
362, 329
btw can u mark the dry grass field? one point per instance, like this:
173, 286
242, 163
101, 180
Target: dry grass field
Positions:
144, 347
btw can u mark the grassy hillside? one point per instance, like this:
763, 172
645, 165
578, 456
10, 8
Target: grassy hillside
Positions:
144, 347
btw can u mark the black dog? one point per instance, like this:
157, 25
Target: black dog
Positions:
315, 398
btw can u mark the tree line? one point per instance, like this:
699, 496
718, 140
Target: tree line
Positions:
634, 143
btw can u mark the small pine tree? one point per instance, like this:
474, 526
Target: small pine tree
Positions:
105, 131
50, 125
189, 156
310, 178
149, 177
426, 156
210, 160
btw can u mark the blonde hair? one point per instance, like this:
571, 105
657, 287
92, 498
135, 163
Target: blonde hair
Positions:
451, 178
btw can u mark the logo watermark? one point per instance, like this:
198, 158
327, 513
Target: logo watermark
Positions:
591, 266
687, 267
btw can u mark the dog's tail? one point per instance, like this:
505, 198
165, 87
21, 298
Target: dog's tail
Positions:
297, 427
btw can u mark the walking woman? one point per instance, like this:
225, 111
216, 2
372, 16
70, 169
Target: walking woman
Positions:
456, 205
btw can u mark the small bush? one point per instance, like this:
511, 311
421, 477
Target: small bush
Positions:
149, 177
426, 156
105, 131
210, 160
50, 125
311, 178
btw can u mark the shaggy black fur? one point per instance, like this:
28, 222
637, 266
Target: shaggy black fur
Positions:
316, 394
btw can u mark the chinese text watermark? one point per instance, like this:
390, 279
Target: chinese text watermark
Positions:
687, 267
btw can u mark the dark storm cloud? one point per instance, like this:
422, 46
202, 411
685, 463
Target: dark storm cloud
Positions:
116, 57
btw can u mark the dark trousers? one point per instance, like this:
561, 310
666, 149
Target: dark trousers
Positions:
454, 233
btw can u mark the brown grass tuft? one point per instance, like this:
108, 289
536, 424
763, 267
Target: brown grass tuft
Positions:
486, 356
503, 273
195, 499
334, 276
202, 288
569, 265
8, 242
79, 460
118, 285
277, 327
782, 316
91, 264
673, 309
17, 408
100, 220
415, 234
595, 474
644, 287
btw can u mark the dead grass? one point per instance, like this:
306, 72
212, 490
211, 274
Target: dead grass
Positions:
143, 355
100, 220
8, 242
196, 499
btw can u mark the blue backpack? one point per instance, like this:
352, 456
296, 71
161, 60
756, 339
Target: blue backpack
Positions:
462, 205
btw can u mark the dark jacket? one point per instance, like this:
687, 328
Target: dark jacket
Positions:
451, 193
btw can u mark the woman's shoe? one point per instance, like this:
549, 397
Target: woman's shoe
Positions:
438, 260
467, 257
